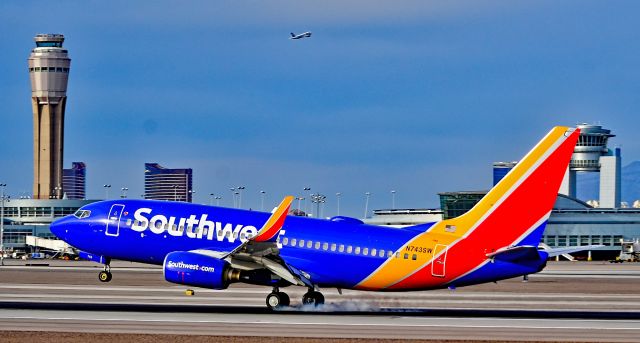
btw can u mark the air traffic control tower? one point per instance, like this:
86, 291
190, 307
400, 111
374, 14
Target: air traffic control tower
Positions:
592, 155
49, 73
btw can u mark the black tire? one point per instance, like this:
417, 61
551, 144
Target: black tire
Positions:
104, 276
277, 300
284, 299
313, 298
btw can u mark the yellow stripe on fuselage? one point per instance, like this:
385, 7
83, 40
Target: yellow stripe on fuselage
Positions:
449, 231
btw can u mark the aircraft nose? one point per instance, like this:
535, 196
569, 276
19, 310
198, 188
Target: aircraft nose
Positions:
57, 227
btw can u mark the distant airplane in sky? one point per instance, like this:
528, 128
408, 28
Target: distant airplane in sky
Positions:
302, 35
212, 247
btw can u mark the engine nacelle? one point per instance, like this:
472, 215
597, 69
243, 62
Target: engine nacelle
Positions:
187, 268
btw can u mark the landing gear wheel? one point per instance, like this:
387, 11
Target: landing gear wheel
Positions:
313, 298
277, 300
104, 276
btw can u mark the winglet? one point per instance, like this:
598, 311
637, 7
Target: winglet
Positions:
274, 223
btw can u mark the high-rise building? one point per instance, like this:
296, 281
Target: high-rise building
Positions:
501, 169
162, 183
74, 181
49, 72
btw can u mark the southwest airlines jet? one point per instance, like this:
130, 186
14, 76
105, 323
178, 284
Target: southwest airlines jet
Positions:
212, 247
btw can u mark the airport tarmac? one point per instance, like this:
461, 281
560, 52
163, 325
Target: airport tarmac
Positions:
583, 301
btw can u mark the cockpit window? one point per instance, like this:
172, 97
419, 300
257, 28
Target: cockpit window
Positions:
82, 214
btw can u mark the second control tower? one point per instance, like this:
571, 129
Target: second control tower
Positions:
49, 73
592, 155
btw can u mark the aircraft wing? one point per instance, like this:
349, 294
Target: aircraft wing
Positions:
260, 251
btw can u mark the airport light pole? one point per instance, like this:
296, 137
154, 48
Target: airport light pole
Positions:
366, 204
240, 189
106, 190
338, 198
191, 192
2, 186
218, 200
299, 199
124, 192
393, 200
306, 189
318, 199
233, 194
262, 194
211, 199
175, 192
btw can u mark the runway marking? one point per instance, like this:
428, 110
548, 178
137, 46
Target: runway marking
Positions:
447, 322
260, 298
450, 295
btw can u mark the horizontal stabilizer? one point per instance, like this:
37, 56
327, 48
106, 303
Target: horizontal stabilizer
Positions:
515, 253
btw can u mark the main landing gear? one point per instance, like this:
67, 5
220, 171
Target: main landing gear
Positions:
313, 298
105, 275
277, 299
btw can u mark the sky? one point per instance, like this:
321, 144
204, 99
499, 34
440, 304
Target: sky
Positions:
418, 97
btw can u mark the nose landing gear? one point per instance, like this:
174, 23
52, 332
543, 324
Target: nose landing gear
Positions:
105, 275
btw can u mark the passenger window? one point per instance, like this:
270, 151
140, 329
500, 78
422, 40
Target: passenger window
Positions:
285, 241
397, 254
341, 249
414, 257
389, 254
309, 244
174, 227
406, 256
349, 249
325, 246
301, 244
381, 253
374, 252
333, 246
136, 223
181, 229
293, 241
128, 222
365, 251
357, 251
317, 245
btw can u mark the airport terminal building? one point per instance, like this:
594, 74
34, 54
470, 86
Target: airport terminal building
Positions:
32, 217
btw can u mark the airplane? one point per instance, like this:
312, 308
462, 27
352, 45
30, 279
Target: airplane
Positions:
302, 35
212, 247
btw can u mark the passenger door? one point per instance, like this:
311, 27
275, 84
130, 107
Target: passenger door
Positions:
113, 220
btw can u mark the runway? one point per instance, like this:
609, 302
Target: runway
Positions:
589, 302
